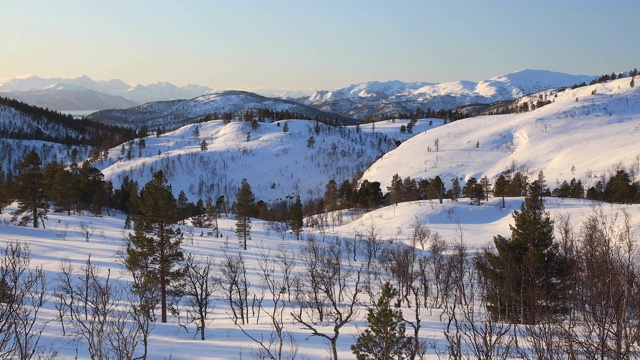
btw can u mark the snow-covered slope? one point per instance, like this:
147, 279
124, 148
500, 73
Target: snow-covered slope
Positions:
584, 133
173, 114
76, 238
377, 98
84, 93
275, 163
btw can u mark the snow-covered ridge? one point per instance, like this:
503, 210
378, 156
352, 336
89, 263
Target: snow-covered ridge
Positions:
176, 113
395, 96
583, 134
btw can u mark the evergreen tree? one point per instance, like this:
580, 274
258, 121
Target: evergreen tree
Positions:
473, 190
456, 190
525, 276
29, 191
3, 190
182, 205
311, 141
285, 128
501, 187
436, 188
244, 209
295, 217
385, 338
212, 213
153, 250
63, 191
331, 195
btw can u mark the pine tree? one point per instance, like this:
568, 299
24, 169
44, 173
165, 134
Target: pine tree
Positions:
244, 209
29, 191
331, 195
385, 338
525, 275
295, 217
501, 187
456, 190
3, 190
153, 250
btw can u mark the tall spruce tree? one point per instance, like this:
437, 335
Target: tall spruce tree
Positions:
525, 274
154, 251
295, 217
29, 191
244, 208
385, 338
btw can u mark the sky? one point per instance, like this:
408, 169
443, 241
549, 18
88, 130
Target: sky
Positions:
313, 44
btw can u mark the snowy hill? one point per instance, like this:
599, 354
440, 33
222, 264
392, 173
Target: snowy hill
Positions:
584, 133
84, 93
380, 98
176, 113
277, 164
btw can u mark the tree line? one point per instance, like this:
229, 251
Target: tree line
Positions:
68, 131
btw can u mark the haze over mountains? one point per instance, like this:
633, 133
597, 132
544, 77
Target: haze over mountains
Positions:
84, 93
355, 101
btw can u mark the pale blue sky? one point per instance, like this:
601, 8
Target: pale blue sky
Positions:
313, 44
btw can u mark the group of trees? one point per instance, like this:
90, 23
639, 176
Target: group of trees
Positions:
77, 188
620, 188
63, 128
264, 114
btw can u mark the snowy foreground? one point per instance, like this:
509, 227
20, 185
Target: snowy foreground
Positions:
64, 238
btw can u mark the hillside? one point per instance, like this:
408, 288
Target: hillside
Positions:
277, 164
384, 98
53, 135
173, 114
584, 134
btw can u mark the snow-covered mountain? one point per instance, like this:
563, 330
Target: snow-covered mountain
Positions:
176, 113
391, 97
84, 93
584, 133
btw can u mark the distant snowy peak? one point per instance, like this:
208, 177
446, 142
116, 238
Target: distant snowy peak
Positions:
373, 89
525, 82
32, 89
395, 96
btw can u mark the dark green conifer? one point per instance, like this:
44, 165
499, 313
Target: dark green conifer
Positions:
385, 337
525, 275
295, 217
244, 208
153, 251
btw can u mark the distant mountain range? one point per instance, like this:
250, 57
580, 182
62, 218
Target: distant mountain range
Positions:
84, 93
391, 97
354, 101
